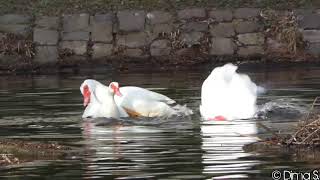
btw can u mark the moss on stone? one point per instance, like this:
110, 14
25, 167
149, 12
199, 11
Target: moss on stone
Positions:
54, 7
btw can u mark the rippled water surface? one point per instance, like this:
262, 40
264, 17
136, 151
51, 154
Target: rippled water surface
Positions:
48, 108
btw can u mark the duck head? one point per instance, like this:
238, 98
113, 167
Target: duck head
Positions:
114, 88
87, 89
98, 99
86, 95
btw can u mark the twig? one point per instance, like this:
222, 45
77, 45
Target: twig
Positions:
310, 135
268, 129
293, 137
5, 157
311, 108
250, 136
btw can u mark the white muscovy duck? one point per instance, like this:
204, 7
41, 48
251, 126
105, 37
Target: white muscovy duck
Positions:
228, 95
142, 102
115, 102
99, 100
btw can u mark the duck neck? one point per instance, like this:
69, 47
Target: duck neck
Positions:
102, 104
109, 107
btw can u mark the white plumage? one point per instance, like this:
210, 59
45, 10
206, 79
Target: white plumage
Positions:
101, 103
229, 94
106, 102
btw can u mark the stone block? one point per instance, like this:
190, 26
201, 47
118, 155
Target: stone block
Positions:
133, 40
222, 46
107, 18
221, 15
195, 26
131, 20
101, 28
246, 13
251, 38
302, 12
222, 30
101, 50
78, 47
314, 49
312, 36
247, 26
192, 13
46, 54
133, 53
160, 48
45, 37
250, 51
309, 21
46, 22
75, 36
75, 22
17, 29
159, 17
15, 19
191, 38
101, 33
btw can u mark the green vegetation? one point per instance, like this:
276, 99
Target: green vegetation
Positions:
54, 7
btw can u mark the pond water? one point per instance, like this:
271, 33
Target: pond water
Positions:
47, 108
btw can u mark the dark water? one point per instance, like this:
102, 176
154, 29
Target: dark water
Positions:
49, 107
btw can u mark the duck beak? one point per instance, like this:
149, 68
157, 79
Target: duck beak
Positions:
117, 92
86, 96
218, 118
86, 100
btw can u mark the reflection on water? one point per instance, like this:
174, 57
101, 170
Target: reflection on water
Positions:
49, 108
222, 143
152, 150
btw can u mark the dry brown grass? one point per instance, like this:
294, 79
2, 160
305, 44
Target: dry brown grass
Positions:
11, 44
284, 29
18, 151
309, 131
306, 135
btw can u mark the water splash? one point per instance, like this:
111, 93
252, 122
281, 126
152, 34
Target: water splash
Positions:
288, 108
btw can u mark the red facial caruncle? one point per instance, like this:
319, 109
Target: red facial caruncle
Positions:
86, 95
115, 89
218, 118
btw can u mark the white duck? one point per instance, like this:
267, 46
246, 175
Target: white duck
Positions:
117, 102
99, 100
226, 94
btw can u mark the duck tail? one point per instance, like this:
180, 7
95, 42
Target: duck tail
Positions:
182, 110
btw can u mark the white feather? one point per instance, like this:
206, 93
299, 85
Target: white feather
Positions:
102, 102
229, 94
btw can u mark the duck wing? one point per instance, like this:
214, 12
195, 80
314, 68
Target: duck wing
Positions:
142, 102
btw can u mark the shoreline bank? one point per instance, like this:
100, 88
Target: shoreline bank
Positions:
180, 37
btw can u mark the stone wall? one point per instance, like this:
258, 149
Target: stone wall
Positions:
141, 34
